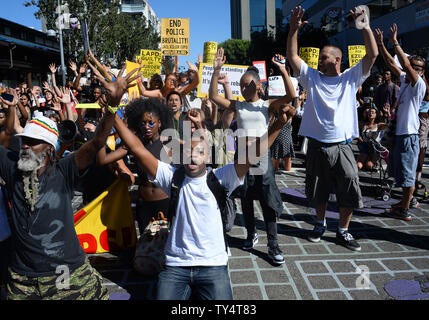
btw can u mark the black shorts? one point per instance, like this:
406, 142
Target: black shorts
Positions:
332, 168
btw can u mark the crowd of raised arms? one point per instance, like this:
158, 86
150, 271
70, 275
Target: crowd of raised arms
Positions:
53, 143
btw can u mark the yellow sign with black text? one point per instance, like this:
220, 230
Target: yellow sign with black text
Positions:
175, 37
151, 61
310, 56
356, 53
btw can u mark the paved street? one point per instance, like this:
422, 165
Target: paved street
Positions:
393, 262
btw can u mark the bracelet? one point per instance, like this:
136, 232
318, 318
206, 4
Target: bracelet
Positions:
112, 110
396, 44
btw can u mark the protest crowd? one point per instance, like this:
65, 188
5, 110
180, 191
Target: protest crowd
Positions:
192, 158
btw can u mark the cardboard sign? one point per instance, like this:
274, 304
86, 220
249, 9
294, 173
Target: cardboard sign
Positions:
276, 86
356, 53
133, 91
310, 56
107, 224
151, 61
174, 37
210, 49
233, 72
262, 69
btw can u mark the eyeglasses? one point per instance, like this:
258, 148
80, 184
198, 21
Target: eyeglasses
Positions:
150, 124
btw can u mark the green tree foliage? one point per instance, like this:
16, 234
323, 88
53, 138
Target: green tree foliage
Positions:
236, 51
113, 36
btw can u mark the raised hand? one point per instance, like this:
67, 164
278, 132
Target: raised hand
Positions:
12, 103
223, 79
279, 64
116, 89
361, 17
393, 34
65, 96
192, 66
379, 36
295, 20
195, 117
219, 59
53, 68
83, 68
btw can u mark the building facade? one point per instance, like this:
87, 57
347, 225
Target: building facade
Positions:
411, 17
25, 51
143, 7
248, 16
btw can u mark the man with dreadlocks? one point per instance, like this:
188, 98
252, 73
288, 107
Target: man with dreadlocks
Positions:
47, 260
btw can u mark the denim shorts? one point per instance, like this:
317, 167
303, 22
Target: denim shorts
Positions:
403, 164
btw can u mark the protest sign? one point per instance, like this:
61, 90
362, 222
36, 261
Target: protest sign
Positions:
233, 72
130, 66
276, 87
107, 224
262, 69
356, 53
310, 56
151, 61
210, 49
175, 37
87, 106
85, 37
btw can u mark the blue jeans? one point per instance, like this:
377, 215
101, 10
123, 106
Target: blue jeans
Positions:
204, 283
404, 159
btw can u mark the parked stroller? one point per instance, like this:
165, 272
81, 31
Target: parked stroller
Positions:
383, 185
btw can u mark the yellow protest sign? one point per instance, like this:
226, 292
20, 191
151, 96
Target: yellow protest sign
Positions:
130, 66
151, 61
210, 49
87, 106
310, 56
174, 37
356, 53
107, 223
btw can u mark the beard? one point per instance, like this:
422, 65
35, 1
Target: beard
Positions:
29, 161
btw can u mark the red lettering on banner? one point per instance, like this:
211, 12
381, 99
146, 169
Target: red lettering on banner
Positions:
90, 240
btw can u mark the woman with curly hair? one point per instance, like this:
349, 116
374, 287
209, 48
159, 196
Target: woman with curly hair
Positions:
146, 118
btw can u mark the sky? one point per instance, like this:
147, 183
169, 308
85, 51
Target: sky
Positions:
209, 20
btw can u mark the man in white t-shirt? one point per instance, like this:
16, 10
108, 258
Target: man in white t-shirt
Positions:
403, 161
196, 253
330, 123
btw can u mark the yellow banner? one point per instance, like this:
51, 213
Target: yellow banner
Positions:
151, 61
356, 53
174, 37
88, 106
107, 224
130, 66
310, 56
210, 49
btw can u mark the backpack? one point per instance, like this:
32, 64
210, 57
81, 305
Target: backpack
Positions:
219, 192
149, 257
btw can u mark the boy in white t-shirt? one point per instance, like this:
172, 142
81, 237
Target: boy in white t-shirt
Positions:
196, 256
330, 122
403, 160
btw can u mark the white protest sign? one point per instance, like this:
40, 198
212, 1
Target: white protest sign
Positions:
262, 69
233, 72
276, 86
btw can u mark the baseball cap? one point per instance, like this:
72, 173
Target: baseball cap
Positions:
41, 128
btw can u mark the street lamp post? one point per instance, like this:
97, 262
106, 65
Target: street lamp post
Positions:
60, 32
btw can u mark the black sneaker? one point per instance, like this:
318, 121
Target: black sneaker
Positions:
250, 242
398, 213
317, 232
275, 254
414, 203
347, 240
